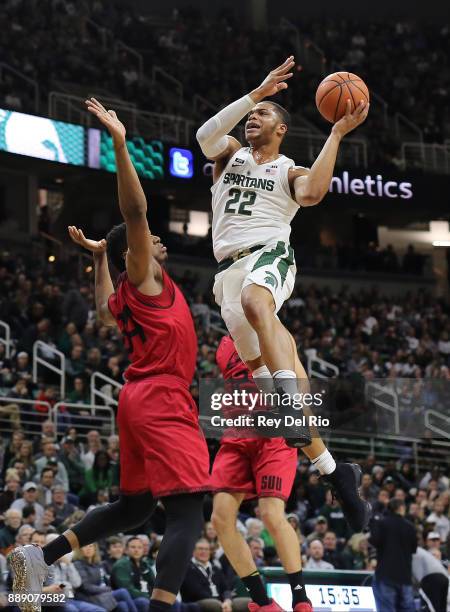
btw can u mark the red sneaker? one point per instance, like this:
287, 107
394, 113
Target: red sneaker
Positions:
272, 607
304, 606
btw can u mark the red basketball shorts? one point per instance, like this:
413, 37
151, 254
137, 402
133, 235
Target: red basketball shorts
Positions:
258, 467
162, 448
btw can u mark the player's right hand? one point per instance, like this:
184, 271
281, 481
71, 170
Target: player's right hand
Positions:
95, 246
275, 81
109, 119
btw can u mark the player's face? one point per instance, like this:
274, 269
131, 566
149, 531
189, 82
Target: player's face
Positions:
263, 124
159, 250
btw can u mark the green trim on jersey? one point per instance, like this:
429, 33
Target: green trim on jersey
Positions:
282, 251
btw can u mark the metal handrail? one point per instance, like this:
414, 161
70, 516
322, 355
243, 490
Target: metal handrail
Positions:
384, 390
313, 373
400, 117
61, 371
92, 408
119, 44
438, 415
24, 77
157, 70
25, 402
198, 99
7, 338
98, 393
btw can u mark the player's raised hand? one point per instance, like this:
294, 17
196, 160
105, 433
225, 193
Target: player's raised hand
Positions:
350, 120
109, 119
275, 81
95, 246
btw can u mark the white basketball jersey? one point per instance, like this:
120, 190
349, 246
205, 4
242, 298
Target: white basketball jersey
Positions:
251, 204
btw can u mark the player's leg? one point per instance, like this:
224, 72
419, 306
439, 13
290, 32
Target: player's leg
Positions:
272, 512
224, 517
184, 523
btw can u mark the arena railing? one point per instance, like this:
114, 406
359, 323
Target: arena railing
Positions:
105, 392
6, 339
324, 369
4, 67
38, 347
160, 76
428, 156
84, 417
17, 413
119, 46
434, 427
384, 397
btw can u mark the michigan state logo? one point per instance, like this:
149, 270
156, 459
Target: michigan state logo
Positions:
271, 279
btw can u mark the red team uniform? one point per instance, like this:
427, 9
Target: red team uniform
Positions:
162, 448
259, 467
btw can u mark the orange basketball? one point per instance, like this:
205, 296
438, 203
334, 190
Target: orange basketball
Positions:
334, 91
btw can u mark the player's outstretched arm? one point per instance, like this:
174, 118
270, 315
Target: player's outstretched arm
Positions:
212, 135
310, 188
132, 200
103, 283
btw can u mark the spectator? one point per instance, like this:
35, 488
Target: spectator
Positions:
38, 538
331, 553
94, 445
29, 492
93, 589
24, 534
8, 532
70, 458
256, 546
440, 522
320, 529
115, 551
49, 458
44, 488
62, 508
134, 573
101, 476
369, 491
356, 554
11, 491
204, 583
47, 524
335, 519
395, 541
433, 541
315, 557
432, 578
29, 516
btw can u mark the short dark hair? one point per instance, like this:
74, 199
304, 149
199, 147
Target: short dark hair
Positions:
28, 511
395, 504
134, 538
282, 113
116, 245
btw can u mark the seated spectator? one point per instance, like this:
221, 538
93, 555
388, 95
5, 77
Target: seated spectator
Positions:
204, 583
315, 557
29, 498
79, 393
75, 365
94, 444
8, 533
71, 459
134, 573
29, 516
320, 529
100, 476
332, 511
62, 508
256, 546
47, 523
433, 541
295, 523
38, 538
357, 552
44, 488
25, 455
331, 552
11, 491
93, 589
12, 449
24, 534
369, 490
439, 521
114, 552
49, 458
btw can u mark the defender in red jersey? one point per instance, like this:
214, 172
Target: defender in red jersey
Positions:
255, 467
163, 453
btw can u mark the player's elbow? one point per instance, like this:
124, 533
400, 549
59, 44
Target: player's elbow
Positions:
310, 198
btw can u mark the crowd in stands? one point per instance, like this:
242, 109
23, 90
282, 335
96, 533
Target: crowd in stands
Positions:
404, 61
53, 474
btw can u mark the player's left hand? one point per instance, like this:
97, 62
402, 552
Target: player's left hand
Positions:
350, 120
109, 119
94, 246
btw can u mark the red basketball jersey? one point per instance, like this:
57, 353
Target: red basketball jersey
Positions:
229, 362
158, 330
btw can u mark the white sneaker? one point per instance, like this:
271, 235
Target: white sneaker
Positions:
29, 574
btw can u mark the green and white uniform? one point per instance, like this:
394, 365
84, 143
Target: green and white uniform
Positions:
252, 205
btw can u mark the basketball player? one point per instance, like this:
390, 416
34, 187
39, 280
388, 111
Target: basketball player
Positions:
255, 195
163, 453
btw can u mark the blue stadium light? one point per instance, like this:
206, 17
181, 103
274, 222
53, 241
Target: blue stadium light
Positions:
181, 163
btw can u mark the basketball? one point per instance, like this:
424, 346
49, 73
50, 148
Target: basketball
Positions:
334, 91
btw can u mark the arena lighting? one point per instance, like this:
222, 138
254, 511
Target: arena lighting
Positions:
441, 243
51, 258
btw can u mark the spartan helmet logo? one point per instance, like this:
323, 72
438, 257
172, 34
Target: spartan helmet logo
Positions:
271, 279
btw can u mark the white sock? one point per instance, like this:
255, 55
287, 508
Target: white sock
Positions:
287, 380
263, 379
324, 463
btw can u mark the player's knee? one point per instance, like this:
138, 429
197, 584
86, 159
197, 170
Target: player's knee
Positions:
257, 311
272, 517
222, 520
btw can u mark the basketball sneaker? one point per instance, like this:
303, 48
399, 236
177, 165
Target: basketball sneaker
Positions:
345, 482
29, 573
